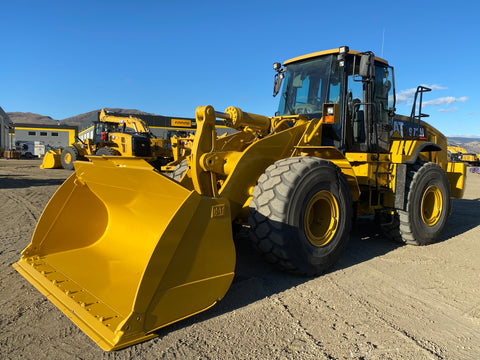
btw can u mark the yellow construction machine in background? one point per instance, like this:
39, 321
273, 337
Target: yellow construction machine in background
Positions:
154, 250
181, 148
115, 134
457, 153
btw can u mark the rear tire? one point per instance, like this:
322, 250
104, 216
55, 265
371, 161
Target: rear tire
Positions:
301, 214
68, 156
108, 151
428, 205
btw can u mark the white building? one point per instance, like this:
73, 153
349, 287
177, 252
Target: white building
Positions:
53, 136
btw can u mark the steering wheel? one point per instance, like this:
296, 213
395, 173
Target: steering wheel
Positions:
305, 109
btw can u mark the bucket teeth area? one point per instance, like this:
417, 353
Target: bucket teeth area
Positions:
63, 289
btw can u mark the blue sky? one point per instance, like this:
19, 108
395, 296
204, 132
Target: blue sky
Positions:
63, 58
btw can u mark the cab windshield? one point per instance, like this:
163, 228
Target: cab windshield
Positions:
308, 85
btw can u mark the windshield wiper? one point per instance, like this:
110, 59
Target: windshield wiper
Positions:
287, 104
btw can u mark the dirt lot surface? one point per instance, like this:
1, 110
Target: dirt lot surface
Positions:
381, 301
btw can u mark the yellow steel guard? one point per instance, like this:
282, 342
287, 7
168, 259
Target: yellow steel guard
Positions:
123, 250
456, 173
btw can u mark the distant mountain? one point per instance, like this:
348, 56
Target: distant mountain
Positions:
471, 144
31, 118
79, 119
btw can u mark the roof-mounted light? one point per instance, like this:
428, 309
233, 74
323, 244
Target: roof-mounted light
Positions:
343, 49
277, 66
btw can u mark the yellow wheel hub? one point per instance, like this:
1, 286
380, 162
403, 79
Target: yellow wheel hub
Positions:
321, 218
67, 158
432, 205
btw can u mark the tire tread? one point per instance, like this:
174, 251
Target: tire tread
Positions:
270, 205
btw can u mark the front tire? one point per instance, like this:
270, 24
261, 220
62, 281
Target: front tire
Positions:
68, 156
300, 214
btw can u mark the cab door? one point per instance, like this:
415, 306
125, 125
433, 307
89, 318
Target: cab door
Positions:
382, 103
368, 116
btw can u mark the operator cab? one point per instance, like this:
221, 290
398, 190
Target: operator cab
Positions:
360, 83
102, 130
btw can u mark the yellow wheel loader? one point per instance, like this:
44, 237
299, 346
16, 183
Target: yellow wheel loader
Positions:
154, 250
115, 134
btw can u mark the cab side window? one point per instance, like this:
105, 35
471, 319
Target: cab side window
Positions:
383, 92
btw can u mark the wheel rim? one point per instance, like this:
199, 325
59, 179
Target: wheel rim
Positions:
432, 205
68, 158
321, 218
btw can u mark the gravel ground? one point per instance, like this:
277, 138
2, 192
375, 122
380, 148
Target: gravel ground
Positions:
381, 300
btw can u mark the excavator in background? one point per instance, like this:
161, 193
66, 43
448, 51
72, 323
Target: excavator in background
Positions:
115, 134
154, 249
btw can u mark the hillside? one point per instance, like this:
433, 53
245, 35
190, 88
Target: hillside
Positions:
79, 119
470, 144
31, 118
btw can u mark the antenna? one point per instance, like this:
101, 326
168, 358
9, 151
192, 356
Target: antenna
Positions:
383, 41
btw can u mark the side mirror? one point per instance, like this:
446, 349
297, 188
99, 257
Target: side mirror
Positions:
277, 83
367, 62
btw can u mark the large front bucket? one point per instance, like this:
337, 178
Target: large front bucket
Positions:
52, 160
123, 250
